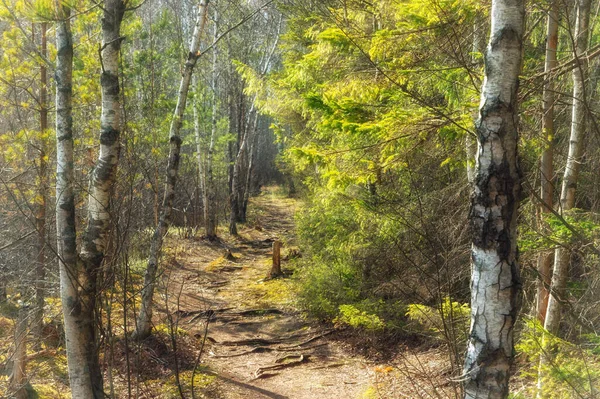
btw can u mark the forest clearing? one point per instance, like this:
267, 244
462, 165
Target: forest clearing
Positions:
362, 199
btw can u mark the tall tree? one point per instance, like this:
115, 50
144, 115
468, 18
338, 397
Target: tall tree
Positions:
495, 281
79, 273
546, 258
79, 373
210, 189
144, 319
42, 196
579, 115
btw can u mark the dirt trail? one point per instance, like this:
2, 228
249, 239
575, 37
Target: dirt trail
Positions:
258, 345
243, 348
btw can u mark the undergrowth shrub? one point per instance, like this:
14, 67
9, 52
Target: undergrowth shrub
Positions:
449, 321
353, 317
573, 372
361, 266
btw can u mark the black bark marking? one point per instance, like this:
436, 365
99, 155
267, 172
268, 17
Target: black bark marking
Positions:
109, 136
110, 83
505, 35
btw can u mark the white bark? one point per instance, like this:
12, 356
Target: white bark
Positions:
144, 319
478, 46
495, 280
567, 198
69, 266
78, 274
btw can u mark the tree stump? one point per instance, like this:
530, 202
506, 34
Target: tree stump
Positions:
276, 268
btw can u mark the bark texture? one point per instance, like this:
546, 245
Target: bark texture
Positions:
42, 199
144, 319
69, 266
495, 281
579, 115
546, 258
210, 189
18, 377
198, 138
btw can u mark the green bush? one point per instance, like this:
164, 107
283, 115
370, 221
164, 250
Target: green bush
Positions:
351, 316
450, 320
570, 371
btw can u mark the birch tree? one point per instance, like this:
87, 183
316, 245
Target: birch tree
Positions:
78, 273
144, 319
77, 348
495, 281
579, 115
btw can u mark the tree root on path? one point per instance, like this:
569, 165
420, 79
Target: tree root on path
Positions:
269, 342
266, 349
200, 313
280, 364
308, 341
256, 312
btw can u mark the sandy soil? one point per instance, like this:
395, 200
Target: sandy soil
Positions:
246, 351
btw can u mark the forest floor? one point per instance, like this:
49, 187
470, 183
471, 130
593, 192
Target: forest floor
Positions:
257, 343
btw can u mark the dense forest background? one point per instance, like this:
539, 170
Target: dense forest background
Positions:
180, 112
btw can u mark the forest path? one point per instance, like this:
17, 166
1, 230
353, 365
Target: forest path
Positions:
254, 328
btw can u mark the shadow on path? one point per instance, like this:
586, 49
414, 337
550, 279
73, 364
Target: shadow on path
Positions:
264, 392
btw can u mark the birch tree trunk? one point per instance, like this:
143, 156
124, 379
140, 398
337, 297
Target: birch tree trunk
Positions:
78, 274
569, 183
69, 265
144, 319
546, 258
478, 46
210, 193
96, 236
495, 281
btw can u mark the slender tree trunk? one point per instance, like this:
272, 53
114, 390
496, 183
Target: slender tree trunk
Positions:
198, 138
42, 200
210, 194
18, 377
96, 236
569, 183
144, 319
546, 258
251, 161
231, 144
69, 266
236, 197
478, 46
248, 127
495, 281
